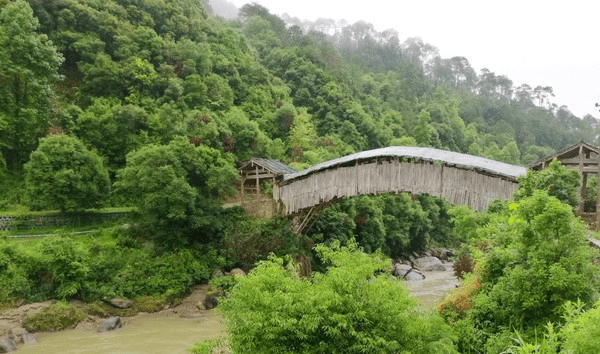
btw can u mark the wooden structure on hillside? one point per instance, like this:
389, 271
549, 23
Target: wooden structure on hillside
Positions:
460, 178
584, 158
258, 170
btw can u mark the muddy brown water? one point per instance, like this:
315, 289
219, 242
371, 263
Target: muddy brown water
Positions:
142, 334
170, 333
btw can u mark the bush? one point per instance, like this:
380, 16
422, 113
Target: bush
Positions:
540, 261
92, 268
211, 346
176, 189
556, 179
347, 309
581, 333
54, 317
460, 300
63, 174
249, 240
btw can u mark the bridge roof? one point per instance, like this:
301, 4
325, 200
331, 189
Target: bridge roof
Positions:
448, 158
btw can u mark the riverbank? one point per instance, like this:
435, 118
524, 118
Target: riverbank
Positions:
171, 330
175, 329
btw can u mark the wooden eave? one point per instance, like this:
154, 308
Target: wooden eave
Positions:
253, 169
569, 157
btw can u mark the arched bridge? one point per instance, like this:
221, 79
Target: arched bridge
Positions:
460, 178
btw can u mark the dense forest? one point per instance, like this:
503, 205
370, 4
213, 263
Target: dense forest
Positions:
153, 104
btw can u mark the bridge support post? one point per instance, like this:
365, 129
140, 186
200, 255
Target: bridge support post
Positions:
583, 175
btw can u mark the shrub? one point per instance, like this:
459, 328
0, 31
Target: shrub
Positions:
63, 174
556, 179
396, 223
211, 346
66, 261
346, 309
249, 240
581, 333
57, 316
540, 261
460, 300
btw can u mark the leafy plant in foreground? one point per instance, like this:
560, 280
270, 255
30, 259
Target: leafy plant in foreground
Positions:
346, 309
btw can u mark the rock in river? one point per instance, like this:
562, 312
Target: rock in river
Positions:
8, 345
110, 324
414, 274
429, 264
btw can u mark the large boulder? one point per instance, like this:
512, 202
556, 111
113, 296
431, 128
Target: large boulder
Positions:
8, 345
428, 264
110, 324
443, 254
210, 302
414, 274
120, 303
400, 270
27, 338
237, 271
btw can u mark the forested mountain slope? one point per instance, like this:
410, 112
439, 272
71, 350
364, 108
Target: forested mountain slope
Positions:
121, 74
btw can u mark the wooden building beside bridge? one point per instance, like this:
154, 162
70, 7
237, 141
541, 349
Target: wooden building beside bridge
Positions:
584, 158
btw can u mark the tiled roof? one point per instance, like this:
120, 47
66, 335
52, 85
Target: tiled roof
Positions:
274, 166
422, 153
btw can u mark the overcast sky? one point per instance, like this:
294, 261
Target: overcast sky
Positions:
550, 43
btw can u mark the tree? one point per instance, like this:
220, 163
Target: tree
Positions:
63, 174
346, 309
28, 66
423, 131
176, 188
556, 179
541, 260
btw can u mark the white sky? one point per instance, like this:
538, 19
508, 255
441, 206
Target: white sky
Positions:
550, 43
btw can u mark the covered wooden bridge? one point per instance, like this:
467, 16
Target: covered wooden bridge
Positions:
460, 178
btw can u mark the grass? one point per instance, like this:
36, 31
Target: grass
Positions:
57, 316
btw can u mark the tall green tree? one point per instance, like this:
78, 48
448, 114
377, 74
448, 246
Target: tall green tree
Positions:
63, 174
28, 66
176, 189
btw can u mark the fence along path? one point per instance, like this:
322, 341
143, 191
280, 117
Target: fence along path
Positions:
460, 178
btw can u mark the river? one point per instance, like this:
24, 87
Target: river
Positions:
168, 332
142, 334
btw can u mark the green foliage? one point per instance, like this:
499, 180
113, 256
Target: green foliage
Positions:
540, 261
28, 66
57, 316
581, 331
66, 262
247, 241
556, 179
578, 334
211, 346
396, 224
343, 310
176, 188
63, 174
93, 268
